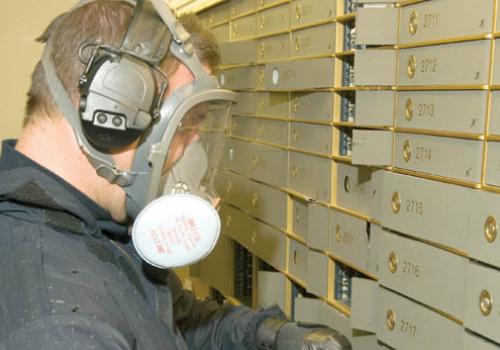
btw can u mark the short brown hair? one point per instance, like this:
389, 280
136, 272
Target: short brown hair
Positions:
106, 22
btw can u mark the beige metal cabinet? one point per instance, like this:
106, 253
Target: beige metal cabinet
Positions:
311, 138
272, 287
240, 7
377, 26
242, 28
374, 108
317, 73
273, 104
312, 106
273, 48
445, 19
297, 260
450, 64
310, 176
372, 147
313, 41
317, 273
427, 274
299, 217
238, 52
449, 157
304, 12
375, 67
493, 164
447, 111
273, 20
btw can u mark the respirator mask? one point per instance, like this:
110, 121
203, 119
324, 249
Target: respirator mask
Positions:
180, 135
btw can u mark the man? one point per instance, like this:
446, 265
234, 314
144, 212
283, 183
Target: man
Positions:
109, 113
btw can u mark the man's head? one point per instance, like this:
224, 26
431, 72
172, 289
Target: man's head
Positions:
135, 166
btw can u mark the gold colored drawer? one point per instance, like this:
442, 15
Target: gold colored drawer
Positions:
312, 106
238, 52
430, 210
314, 41
372, 147
263, 163
318, 226
464, 63
375, 67
453, 111
349, 239
260, 239
273, 20
316, 73
449, 157
377, 26
445, 19
422, 272
375, 108
317, 273
483, 294
221, 32
261, 201
311, 11
310, 176
355, 188
271, 291
239, 7
247, 103
299, 217
404, 324
242, 28
257, 129
297, 260
273, 48
272, 104
311, 137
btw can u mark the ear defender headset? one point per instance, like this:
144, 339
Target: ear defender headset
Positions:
119, 97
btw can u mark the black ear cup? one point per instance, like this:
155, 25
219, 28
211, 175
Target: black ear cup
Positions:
118, 96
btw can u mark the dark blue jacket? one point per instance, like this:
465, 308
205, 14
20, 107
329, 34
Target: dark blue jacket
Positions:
65, 284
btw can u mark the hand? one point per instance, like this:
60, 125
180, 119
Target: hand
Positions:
276, 334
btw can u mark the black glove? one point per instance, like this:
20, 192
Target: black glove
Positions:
279, 334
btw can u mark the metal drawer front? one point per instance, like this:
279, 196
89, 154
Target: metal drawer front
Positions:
312, 106
263, 163
308, 74
272, 104
310, 137
483, 294
372, 147
271, 289
375, 67
404, 324
317, 273
239, 7
273, 20
260, 239
445, 19
217, 15
349, 239
297, 260
310, 176
247, 103
272, 131
315, 41
493, 164
311, 11
354, 189
377, 26
484, 216
264, 202
426, 209
318, 226
243, 28
464, 63
299, 217
238, 52
472, 342
454, 111
425, 273
273, 48
240, 78
243, 127
375, 107
449, 157
221, 32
